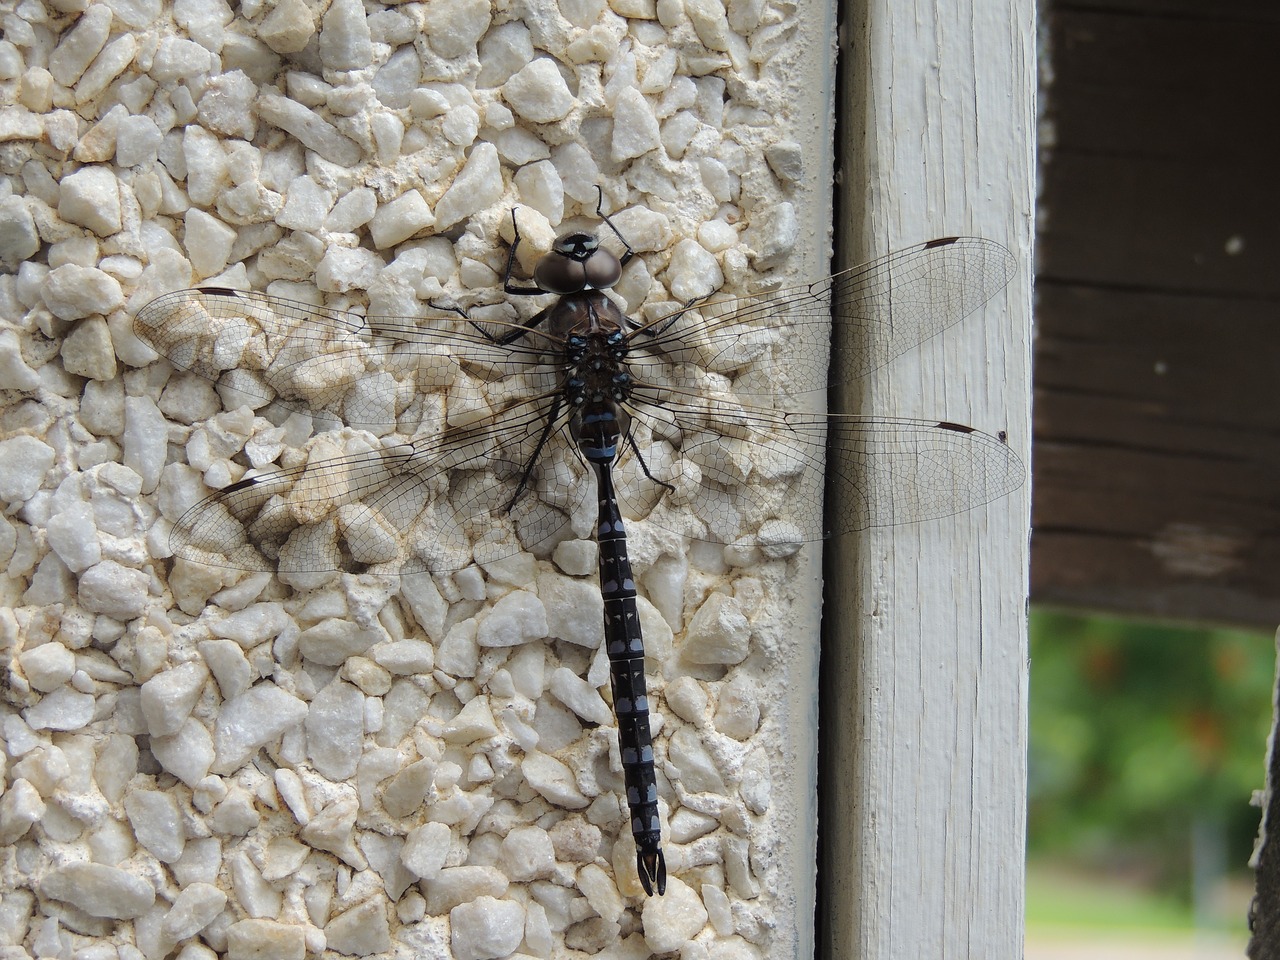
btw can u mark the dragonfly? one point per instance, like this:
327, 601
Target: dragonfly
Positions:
475, 434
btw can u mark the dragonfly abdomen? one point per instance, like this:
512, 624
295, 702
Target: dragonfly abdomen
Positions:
624, 645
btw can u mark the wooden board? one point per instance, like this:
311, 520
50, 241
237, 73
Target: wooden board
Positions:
924, 670
1158, 346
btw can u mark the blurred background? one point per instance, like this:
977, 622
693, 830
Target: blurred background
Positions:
1156, 455
1146, 744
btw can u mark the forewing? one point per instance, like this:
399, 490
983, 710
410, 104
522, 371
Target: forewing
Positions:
879, 310
361, 371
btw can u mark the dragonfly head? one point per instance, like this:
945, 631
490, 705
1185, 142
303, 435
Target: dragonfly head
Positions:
577, 262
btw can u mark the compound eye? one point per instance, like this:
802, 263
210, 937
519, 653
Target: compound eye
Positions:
556, 273
602, 270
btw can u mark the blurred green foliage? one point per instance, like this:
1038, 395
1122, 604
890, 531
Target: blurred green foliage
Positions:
1138, 731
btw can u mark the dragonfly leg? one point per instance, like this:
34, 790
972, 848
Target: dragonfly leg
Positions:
553, 418
644, 465
626, 257
503, 341
507, 285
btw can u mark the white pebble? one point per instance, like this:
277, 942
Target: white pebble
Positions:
779, 539
197, 906
398, 78
405, 657
178, 59
693, 271
504, 50
553, 780
257, 897
115, 590
756, 788
288, 28
71, 292
774, 231
346, 268
19, 238
688, 825
738, 711
527, 854
361, 931
229, 665
517, 618
718, 633
63, 709
156, 822
400, 219
353, 210
686, 698
578, 171
310, 128
187, 754
80, 45
576, 557
90, 197
252, 625
635, 128
698, 772
677, 132
717, 236
538, 92
672, 920
719, 909
580, 697
473, 722
452, 27
486, 928
47, 666
169, 697
208, 242
24, 463
226, 107
73, 536
478, 185
87, 350
137, 141
108, 65
331, 641
335, 729
786, 159
252, 720
601, 892
710, 23
460, 126
455, 885
146, 440
254, 939
99, 890
575, 609
425, 849
344, 36
282, 858
427, 103
20, 808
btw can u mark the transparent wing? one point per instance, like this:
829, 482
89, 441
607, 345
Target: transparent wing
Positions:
361, 371
757, 476
438, 503
875, 311
499, 473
